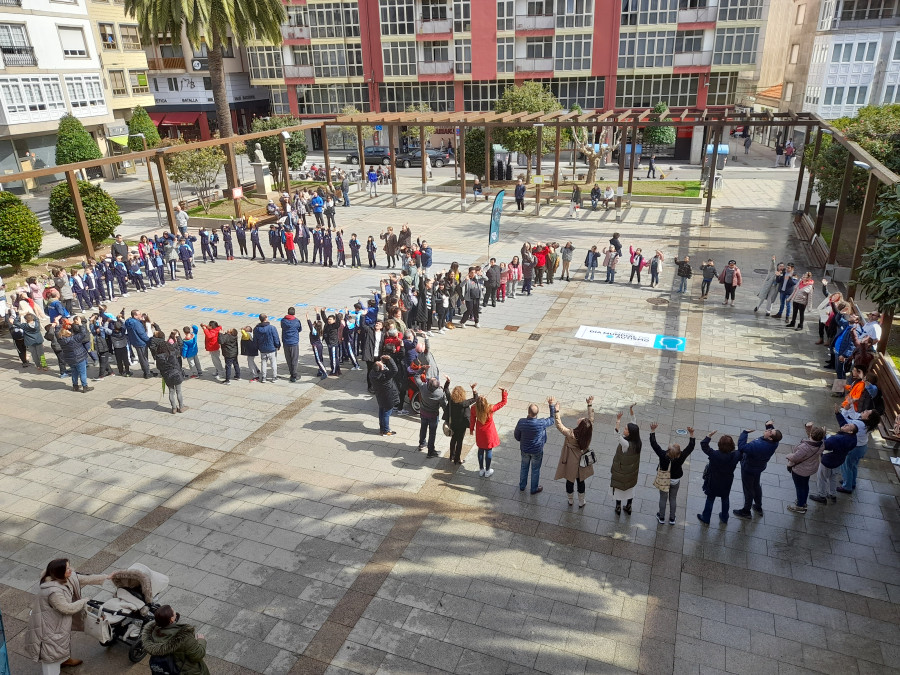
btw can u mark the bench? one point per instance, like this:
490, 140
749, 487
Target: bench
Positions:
890, 394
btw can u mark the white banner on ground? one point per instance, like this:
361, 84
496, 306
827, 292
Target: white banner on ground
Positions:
631, 338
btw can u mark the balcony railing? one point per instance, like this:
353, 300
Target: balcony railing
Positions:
847, 24
298, 71
120, 91
434, 26
697, 15
131, 46
11, 3
534, 65
295, 32
535, 21
135, 89
435, 67
693, 59
19, 56
171, 63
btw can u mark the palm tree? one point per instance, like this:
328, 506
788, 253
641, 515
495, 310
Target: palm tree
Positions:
209, 21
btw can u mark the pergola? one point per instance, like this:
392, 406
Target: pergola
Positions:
714, 121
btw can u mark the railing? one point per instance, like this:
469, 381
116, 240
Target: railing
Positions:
534, 65
131, 46
693, 59
295, 32
170, 63
140, 90
698, 14
435, 67
11, 3
109, 45
434, 26
19, 56
298, 71
847, 24
535, 21
121, 91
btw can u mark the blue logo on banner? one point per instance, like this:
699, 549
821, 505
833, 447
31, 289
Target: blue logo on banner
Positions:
669, 343
496, 211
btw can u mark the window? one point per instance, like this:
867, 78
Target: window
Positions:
172, 82
169, 51
399, 58
574, 13
506, 14
301, 55
740, 10
688, 41
436, 51
15, 46
800, 16
838, 95
336, 60
131, 40
434, 10
25, 98
735, 46
207, 83
398, 17
296, 15
812, 95
480, 96
265, 63
692, 4
722, 88
462, 16
84, 91
325, 99
278, 101
829, 95
857, 95
463, 61
538, 48
896, 56
139, 82
647, 49
539, 8
862, 10
117, 83
228, 49
398, 97
108, 36
820, 53
795, 54
333, 19
649, 12
506, 59
584, 91
837, 56
788, 93
72, 41
645, 91
573, 52
891, 94
865, 52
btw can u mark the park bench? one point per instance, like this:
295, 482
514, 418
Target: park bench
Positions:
890, 393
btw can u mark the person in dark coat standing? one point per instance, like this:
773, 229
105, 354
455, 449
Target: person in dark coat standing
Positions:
457, 416
718, 475
372, 342
753, 457
166, 355
520, 195
384, 382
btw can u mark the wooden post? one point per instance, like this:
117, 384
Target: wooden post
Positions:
621, 171
537, 187
392, 136
864, 219
282, 142
361, 149
461, 160
487, 156
424, 159
327, 160
166, 192
802, 163
812, 171
230, 159
634, 135
887, 321
556, 166
711, 180
820, 217
72, 180
842, 209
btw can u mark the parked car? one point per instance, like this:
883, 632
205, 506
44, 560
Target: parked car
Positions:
414, 158
374, 154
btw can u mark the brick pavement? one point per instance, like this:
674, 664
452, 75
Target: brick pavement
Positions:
300, 541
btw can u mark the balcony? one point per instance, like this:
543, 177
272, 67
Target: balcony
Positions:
848, 24
170, 63
435, 67
295, 32
19, 56
535, 21
11, 3
534, 65
298, 71
434, 26
693, 59
109, 42
698, 15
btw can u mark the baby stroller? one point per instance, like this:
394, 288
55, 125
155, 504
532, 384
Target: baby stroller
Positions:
122, 617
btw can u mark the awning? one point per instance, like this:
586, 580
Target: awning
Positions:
121, 140
174, 119
157, 117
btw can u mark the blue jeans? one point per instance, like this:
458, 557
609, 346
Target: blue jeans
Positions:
707, 510
610, 274
589, 273
594, 203
850, 465
526, 286
683, 287
654, 278
79, 370
802, 485
384, 419
785, 305
534, 460
427, 425
484, 457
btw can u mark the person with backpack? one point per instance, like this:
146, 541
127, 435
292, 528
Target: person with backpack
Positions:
174, 647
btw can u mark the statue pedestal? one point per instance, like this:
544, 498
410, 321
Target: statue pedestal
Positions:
263, 179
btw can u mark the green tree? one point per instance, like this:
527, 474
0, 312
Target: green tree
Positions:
368, 132
100, 210
879, 272
74, 143
210, 25
412, 131
296, 144
475, 152
531, 97
199, 168
654, 136
20, 232
140, 123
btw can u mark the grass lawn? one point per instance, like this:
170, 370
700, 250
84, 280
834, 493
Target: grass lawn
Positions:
670, 188
224, 208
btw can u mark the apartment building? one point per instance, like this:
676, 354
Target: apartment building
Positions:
181, 87
459, 55
50, 66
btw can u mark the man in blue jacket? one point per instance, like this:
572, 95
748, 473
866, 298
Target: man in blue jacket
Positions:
137, 337
786, 283
754, 457
531, 433
837, 447
290, 338
266, 340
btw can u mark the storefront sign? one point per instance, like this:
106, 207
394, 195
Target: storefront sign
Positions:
632, 338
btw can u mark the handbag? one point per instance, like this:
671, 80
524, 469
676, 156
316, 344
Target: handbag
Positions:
662, 480
447, 430
587, 459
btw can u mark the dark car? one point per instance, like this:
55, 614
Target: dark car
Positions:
414, 158
374, 154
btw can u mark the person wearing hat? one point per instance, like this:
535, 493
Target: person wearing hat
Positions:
731, 277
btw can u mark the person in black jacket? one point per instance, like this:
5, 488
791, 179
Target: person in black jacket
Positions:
228, 344
372, 341
166, 355
718, 476
331, 336
492, 283
457, 416
671, 459
384, 381
520, 196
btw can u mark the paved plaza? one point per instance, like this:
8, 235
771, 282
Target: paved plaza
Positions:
299, 540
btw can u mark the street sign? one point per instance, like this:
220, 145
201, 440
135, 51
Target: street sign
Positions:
379, 127
537, 180
237, 193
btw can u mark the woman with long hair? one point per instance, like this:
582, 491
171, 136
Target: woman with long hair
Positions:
457, 416
626, 462
670, 460
576, 445
481, 423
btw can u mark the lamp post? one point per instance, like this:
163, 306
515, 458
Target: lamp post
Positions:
150, 176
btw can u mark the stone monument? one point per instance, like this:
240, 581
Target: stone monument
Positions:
262, 173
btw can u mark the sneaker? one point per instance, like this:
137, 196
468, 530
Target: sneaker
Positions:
433, 454
488, 473
422, 448
796, 509
740, 513
477, 325
671, 521
403, 413
660, 519
841, 488
818, 499
481, 472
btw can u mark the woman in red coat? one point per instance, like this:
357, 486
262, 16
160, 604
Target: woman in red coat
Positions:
481, 423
